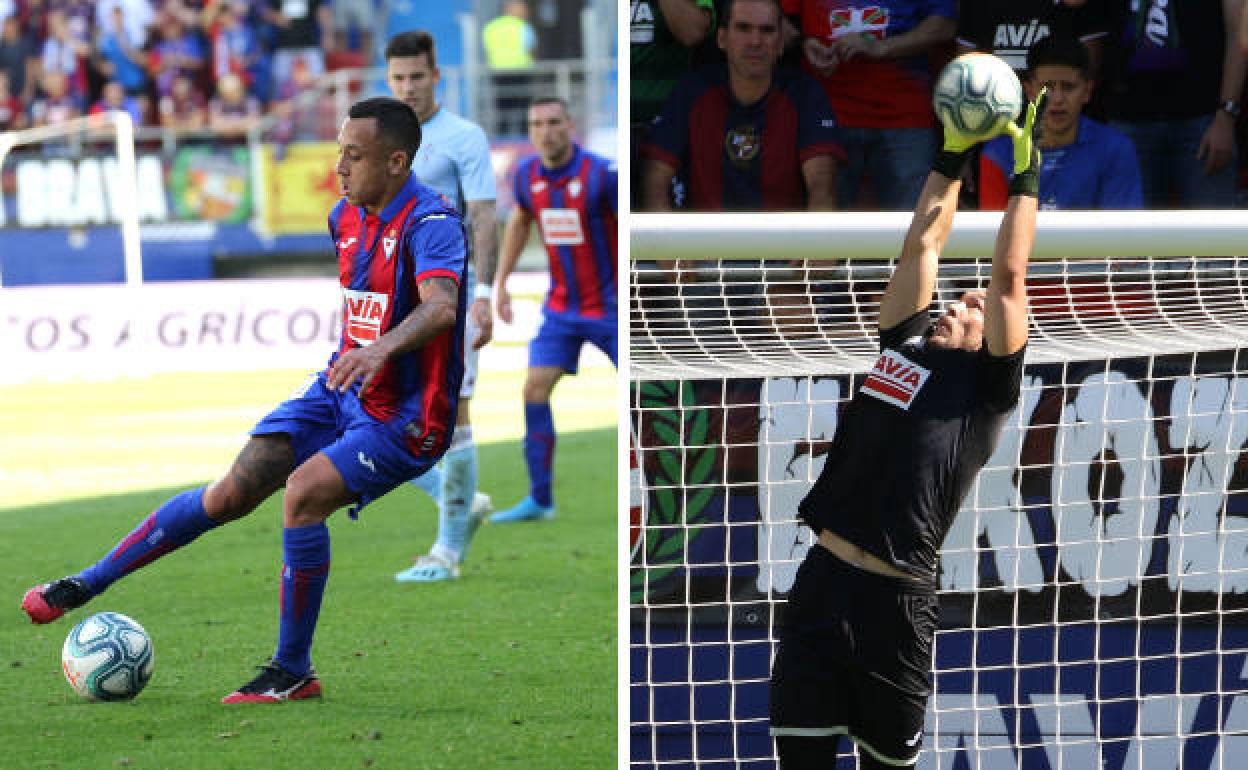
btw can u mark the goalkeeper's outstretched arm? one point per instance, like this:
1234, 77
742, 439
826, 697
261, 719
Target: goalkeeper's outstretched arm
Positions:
1005, 306
914, 280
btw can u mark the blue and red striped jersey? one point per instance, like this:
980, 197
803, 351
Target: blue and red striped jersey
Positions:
381, 260
738, 157
575, 206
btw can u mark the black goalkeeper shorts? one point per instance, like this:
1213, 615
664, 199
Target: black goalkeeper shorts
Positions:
854, 659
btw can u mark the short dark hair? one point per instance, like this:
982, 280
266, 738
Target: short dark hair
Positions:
538, 101
397, 124
1061, 51
726, 17
414, 42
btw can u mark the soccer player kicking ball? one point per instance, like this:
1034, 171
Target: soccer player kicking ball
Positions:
381, 413
855, 649
572, 195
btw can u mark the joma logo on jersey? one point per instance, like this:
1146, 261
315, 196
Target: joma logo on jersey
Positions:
895, 379
562, 227
365, 311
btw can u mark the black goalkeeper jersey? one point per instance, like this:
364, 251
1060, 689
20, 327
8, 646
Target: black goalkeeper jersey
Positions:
920, 426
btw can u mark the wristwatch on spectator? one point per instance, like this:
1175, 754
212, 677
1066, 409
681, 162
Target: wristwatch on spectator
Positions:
1230, 107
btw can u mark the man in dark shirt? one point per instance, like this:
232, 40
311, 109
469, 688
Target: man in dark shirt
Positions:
746, 135
302, 30
17, 55
856, 645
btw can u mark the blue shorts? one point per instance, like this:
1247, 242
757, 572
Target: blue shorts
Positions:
372, 456
559, 340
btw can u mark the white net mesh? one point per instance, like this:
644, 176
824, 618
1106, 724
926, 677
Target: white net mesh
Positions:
1094, 587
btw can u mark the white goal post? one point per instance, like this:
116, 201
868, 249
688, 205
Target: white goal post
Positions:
1094, 586
120, 125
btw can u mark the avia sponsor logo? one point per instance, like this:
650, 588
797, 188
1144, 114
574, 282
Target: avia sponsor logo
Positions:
641, 23
562, 227
364, 311
895, 379
1011, 41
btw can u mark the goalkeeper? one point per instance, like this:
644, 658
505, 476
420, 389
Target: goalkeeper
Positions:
855, 649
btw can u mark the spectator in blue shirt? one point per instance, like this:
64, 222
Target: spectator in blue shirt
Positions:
121, 56
1084, 164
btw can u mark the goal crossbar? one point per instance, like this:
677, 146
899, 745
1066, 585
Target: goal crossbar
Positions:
806, 300
879, 234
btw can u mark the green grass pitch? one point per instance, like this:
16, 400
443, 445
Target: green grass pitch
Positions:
512, 666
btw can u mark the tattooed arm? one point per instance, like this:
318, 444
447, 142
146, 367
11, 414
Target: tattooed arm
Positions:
434, 315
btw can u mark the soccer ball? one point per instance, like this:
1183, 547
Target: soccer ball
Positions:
976, 94
108, 656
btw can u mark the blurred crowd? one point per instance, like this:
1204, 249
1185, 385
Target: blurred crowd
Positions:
826, 104
192, 65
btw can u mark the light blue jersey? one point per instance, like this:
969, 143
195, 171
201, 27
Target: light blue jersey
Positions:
454, 159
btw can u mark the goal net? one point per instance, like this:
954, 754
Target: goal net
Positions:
1094, 585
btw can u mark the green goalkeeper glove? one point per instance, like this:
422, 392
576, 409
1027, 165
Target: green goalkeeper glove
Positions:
953, 155
1026, 139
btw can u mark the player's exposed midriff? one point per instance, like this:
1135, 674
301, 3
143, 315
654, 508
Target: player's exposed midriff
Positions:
856, 556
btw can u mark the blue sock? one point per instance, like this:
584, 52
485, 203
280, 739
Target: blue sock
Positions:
179, 521
431, 482
539, 451
459, 486
305, 551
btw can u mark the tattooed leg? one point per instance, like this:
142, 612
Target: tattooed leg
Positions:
260, 469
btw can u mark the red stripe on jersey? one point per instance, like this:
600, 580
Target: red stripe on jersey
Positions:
381, 400
707, 117
438, 273
610, 224
437, 420
558, 299
583, 255
348, 242
781, 188
383, 242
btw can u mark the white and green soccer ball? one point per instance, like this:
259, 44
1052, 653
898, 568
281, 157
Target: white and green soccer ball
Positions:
976, 95
107, 656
